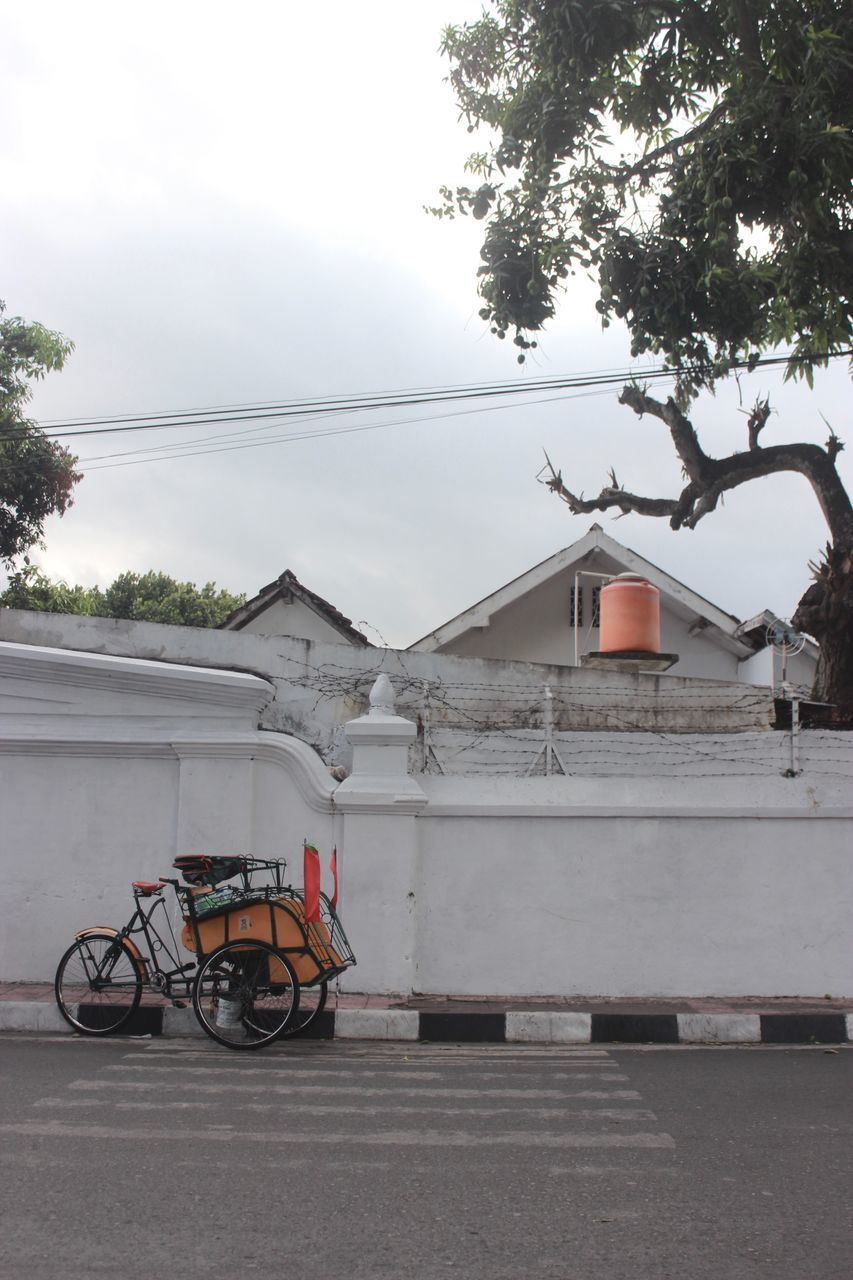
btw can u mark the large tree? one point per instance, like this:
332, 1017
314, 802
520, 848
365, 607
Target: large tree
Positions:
142, 597
37, 475
696, 158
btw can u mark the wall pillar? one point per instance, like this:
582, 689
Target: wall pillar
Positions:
379, 803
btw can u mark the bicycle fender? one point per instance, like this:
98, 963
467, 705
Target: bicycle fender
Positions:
138, 958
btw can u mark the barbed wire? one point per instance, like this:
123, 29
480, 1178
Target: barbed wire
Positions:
474, 726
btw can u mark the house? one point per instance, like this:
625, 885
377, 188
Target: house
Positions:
287, 608
550, 614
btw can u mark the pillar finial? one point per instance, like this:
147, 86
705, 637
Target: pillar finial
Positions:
382, 697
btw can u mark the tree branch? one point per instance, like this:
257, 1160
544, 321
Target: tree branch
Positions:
709, 478
612, 495
674, 144
750, 37
696, 463
757, 421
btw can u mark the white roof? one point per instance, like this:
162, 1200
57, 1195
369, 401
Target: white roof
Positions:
678, 598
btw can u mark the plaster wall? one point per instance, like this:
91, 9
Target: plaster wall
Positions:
538, 628
76, 829
765, 667
293, 619
635, 905
316, 688
728, 883
110, 767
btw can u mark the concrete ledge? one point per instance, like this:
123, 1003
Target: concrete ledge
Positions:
548, 1028
376, 1024
181, 1022
509, 1026
31, 1015
719, 1028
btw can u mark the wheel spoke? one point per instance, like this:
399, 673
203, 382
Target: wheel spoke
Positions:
245, 995
97, 984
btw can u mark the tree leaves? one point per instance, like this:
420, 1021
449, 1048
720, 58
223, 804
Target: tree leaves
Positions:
146, 597
37, 475
697, 157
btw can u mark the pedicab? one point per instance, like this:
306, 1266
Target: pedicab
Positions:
264, 952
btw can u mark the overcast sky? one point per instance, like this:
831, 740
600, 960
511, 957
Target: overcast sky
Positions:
223, 205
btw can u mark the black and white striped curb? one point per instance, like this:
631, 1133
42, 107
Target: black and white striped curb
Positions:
512, 1027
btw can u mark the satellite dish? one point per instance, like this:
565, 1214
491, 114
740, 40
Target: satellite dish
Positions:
783, 639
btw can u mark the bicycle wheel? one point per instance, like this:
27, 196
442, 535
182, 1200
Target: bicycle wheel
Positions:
245, 994
97, 984
312, 1002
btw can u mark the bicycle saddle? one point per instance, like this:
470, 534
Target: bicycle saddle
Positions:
147, 887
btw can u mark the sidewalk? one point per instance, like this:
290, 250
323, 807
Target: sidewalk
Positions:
481, 1019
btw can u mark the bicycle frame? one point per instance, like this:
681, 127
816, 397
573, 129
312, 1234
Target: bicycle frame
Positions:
141, 924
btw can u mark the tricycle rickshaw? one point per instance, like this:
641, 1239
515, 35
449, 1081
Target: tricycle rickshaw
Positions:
264, 953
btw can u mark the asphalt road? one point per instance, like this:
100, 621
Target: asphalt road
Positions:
332, 1160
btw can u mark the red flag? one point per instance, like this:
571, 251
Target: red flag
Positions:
311, 881
333, 867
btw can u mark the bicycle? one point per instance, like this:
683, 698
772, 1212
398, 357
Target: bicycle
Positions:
261, 969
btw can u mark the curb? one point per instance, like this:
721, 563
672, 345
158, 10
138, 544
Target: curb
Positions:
493, 1028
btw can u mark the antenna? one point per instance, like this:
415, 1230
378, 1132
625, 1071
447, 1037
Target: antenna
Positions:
784, 640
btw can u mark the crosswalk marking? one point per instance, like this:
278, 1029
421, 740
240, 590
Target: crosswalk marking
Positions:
333, 1095
534, 1113
239, 1072
367, 1091
403, 1137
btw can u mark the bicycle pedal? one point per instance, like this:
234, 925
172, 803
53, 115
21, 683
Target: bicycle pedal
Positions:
180, 1004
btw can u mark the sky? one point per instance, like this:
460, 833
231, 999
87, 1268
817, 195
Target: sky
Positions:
224, 205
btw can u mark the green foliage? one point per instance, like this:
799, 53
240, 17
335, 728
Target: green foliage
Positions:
29, 588
146, 597
695, 157
36, 474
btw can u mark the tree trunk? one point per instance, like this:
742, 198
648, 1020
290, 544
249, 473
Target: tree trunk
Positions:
826, 612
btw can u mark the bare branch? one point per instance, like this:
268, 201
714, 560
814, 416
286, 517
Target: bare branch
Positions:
695, 462
833, 446
612, 496
757, 421
709, 478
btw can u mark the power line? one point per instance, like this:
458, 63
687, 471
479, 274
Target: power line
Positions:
160, 455
317, 406
269, 417
311, 408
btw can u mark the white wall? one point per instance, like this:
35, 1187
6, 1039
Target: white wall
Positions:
635, 905
292, 619
737, 884
538, 628
109, 767
734, 879
765, 667
316, 687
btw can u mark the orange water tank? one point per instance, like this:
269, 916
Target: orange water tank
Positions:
630, 616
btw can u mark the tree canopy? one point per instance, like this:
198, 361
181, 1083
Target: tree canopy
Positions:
695, 156
146, 597
37, 475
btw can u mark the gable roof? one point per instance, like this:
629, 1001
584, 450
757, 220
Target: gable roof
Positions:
287, 588
754, 631
687, 604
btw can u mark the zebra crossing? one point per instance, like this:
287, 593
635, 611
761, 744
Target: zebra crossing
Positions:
377, 1097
